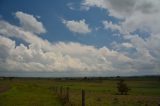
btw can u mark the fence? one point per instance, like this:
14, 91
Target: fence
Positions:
65, 94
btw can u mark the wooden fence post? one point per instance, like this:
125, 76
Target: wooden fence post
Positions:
67, 94
56, 90
83, 97
61, 91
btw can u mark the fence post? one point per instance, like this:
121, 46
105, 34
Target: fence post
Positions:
67, 94
61, 91
56, 89
83, 97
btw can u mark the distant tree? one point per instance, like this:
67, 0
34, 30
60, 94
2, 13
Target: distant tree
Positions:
10, 78
85, 78
122, 87
118, 77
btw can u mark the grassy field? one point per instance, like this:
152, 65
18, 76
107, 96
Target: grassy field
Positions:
28, 93
40, 92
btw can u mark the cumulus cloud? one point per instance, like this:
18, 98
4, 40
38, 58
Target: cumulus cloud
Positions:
41, 55
80, 26
111, 26
133, 16
86, 4
127, 45
30, 23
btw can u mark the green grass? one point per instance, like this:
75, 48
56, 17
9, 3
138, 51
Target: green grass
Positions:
28, 93
40, 92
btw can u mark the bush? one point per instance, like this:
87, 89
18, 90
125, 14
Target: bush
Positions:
122, 87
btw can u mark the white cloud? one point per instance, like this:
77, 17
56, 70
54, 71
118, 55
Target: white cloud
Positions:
135, 14
9, 30
77, 26
42, 55
71, 6
127, 45
110, 25
86, 4
30, 23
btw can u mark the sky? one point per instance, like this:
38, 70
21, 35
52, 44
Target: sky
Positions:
72, 38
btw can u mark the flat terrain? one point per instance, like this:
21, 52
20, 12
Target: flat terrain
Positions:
41, 92
28, 93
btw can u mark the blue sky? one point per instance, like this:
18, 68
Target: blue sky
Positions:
51, 14
84, 37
